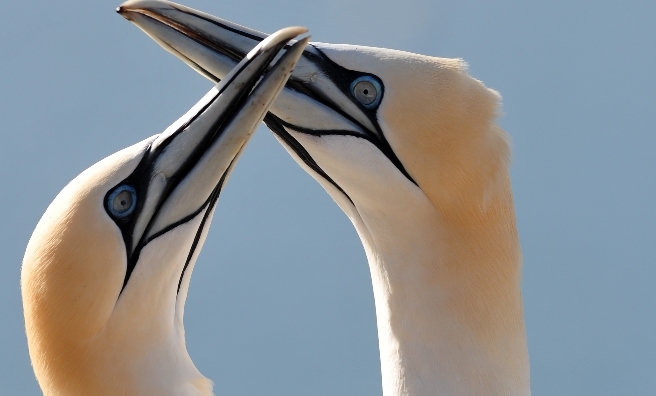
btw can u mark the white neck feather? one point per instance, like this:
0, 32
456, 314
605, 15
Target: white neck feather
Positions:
86, 340
446, 281
448, 301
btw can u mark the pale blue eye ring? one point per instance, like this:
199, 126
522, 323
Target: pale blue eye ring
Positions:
122, 201
367, 91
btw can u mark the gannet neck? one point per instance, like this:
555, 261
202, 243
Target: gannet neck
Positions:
86, 339
409, 148
446, 282
106, 272
443, 248
448, 301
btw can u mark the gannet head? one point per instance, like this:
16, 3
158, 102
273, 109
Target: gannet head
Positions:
106, 272
379, 121
409, 148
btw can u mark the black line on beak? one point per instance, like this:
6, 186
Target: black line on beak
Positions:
210, 203
276, 125
223, 26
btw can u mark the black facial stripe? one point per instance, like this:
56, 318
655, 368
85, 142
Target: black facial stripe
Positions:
141, 176
276, 125
201, 147
382, 146
210, 203
342, 77
367, 137
135, 179
140, 180
179, 222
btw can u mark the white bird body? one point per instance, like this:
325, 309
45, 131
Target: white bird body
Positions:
106, 272
421, 169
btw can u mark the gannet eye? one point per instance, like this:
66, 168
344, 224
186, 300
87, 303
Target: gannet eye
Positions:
366, 90
122, 201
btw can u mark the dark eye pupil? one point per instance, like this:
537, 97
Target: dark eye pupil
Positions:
365, 92
122, 202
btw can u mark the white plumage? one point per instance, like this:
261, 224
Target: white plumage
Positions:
106, 272
409, 148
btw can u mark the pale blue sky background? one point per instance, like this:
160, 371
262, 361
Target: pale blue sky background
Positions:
281, 301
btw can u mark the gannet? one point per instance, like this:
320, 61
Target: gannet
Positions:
409, 148
106, 272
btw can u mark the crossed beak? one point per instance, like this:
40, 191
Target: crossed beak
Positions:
182, 170
317, 98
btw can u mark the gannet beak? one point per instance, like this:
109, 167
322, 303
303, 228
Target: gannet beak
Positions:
317, 98
184, 168
182, 31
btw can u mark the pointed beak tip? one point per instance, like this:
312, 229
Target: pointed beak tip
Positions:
293, 31
299, 29
130, 6
124, 11
281, 35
